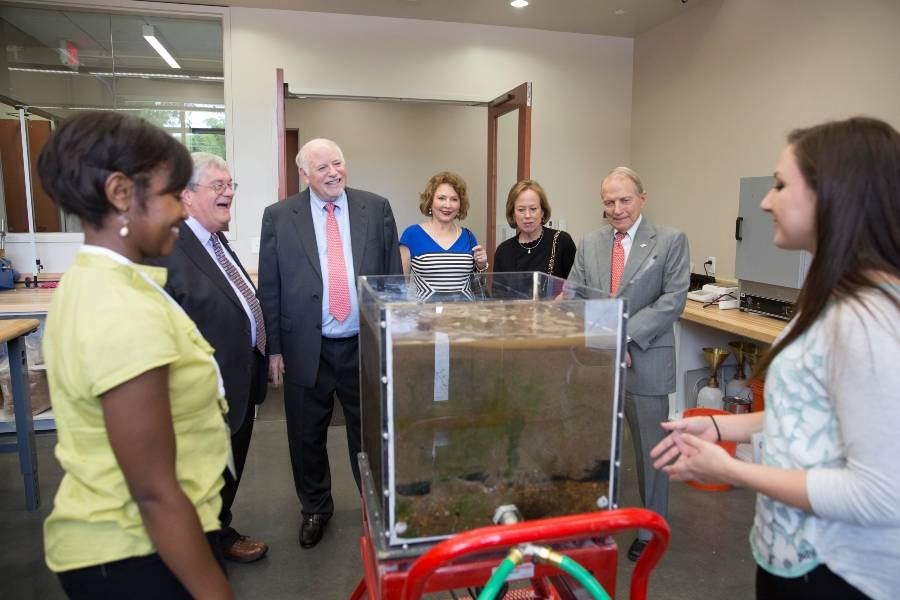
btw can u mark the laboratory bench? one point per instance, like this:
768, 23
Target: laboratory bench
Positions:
12, 333
31, 303
701, 327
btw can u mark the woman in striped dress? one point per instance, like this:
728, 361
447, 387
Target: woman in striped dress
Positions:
440, 254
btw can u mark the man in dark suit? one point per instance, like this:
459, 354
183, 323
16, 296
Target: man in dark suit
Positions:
313, 246
206, 278
648, 265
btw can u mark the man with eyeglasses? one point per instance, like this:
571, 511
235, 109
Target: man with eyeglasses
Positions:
648, 265
206, 278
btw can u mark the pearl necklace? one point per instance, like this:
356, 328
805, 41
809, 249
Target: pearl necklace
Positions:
536, 244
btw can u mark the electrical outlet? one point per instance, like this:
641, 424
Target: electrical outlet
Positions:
710, 265
254, 245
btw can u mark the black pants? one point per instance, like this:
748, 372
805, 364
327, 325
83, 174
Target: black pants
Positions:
240, 445
308, 415
138, 578
819, 584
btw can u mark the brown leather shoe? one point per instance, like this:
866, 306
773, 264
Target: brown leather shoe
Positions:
246, 550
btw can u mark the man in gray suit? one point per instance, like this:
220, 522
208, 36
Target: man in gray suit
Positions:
313, 246
648, 265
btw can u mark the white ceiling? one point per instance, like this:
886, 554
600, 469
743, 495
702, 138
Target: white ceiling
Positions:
105, 40
575, 16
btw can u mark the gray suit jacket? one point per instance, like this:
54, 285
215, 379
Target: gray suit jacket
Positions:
290, 276
654, 285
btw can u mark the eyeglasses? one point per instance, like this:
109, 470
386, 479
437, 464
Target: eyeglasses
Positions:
219, 186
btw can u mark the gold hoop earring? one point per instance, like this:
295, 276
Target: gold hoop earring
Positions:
123, 230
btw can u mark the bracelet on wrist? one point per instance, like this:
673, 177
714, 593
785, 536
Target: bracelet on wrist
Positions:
716, 425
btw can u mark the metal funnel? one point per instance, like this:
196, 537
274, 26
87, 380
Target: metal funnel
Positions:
714, 358
742, 352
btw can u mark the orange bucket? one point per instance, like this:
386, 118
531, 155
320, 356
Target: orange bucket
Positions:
730, 448
758, 386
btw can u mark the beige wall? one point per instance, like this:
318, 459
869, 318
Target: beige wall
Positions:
582, 104
582, 92
392, 148
717, 89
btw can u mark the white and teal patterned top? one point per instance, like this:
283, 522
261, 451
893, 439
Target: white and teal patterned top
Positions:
833, 409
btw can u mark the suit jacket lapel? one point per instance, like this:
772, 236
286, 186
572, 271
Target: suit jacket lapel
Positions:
641, 248
359, 222
605, 259
302, 215
196, 252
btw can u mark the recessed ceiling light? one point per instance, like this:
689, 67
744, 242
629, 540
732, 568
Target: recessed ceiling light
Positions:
619, 11
519, 3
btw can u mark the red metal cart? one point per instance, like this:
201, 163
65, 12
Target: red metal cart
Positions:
467, 559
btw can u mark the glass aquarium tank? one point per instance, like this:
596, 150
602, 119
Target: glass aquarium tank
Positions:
511, 394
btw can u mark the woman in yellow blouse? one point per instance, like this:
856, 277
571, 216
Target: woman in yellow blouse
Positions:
136, 394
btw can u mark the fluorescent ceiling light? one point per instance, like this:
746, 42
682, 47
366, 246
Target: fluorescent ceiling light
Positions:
156, 75
150, 36
176, 76
519, 3
44, 71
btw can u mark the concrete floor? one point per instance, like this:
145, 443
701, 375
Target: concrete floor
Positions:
709, 556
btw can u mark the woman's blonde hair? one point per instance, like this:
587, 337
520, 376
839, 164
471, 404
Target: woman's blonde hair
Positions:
516, 190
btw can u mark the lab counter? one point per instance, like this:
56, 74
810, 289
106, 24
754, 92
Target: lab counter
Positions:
25, 301
28, 303
744, 324
701, 327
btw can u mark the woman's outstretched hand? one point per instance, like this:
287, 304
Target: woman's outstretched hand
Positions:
690, 451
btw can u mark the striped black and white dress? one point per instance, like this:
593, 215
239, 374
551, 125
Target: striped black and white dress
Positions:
438, 271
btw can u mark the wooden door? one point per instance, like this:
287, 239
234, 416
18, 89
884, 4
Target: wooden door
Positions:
46, 212
513, 106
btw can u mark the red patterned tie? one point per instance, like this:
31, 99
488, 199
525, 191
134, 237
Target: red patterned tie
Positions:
338, 291
244, 289
618, 263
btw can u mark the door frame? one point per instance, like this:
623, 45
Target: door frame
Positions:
517, 98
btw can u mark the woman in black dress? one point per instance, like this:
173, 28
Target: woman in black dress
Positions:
535, 247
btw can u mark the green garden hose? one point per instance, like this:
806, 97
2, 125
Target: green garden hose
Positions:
546, 555
500, 574
583, 577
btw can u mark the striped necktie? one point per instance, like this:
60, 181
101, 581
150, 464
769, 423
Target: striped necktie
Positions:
241, 285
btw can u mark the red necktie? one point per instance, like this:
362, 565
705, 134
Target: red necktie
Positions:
618, 263
338, 291
244, 289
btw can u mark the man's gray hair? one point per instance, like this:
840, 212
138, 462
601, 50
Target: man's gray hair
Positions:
629, 173
202, 162
302, 158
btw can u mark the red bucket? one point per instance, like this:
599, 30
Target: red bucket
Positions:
758, 386
730, 448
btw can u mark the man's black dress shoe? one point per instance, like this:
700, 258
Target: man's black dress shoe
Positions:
637, 548
312, 529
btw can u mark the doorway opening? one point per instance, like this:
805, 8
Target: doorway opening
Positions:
393, 145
